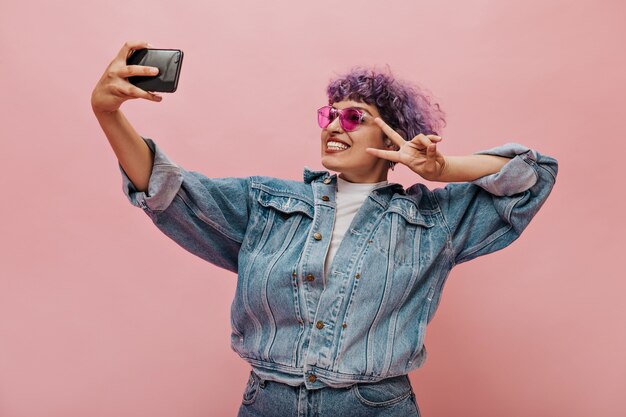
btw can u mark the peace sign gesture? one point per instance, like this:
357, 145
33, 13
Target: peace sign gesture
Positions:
419, 154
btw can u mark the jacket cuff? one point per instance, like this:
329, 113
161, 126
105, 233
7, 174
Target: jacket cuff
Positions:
165, 181
516, 176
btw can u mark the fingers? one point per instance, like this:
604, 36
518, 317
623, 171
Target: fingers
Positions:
131, 46
431, 152
131, 70
388, 155
392, 134
132, 91
433, 157
424, 141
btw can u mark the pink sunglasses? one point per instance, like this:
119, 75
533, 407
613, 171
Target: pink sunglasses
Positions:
349, 118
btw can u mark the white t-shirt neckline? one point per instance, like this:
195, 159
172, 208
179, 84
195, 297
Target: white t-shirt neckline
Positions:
357, 187
349, 199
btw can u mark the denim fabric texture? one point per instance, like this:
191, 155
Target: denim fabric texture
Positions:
366, 321
391, 397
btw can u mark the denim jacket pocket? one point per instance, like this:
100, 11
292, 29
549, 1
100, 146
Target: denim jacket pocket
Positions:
286, 205
399, 231
412, 215
279, 221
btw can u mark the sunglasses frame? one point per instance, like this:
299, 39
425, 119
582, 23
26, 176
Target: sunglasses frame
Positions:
340, 113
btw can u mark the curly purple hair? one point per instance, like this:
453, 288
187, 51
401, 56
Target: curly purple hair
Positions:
405, 107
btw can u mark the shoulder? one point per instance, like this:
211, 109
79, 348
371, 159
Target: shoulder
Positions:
415, 204
420, 196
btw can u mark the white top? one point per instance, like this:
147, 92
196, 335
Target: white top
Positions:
349, 198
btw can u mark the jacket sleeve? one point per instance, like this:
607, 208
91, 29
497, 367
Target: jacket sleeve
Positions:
489, 213
206, 216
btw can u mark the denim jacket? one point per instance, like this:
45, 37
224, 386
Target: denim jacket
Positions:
366, 320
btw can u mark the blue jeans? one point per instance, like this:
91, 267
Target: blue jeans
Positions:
390, 397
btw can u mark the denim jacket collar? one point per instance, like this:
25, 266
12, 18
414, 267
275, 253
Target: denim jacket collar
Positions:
317, 176
310, 175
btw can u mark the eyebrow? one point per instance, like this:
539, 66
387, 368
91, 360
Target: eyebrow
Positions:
362, 108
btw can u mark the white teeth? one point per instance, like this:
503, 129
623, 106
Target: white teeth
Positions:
336, 145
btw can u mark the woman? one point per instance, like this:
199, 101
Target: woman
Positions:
338, 275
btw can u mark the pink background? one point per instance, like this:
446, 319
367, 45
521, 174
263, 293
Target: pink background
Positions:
102, 315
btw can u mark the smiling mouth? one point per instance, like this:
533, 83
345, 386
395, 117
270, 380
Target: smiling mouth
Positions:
332, 145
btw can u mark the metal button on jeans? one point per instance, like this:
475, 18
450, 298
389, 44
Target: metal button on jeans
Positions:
317, 236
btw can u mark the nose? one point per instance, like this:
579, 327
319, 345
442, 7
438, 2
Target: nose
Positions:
335, 126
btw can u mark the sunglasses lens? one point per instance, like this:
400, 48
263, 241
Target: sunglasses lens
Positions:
351, 119
324, 116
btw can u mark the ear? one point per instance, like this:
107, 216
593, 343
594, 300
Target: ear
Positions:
388, 143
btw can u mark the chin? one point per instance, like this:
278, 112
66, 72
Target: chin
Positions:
330, 165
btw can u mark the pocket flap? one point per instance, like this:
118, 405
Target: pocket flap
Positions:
285, 204
412, 215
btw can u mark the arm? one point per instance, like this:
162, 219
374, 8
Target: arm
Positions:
207, 217
132, 152
507, 186
107, 96
420, 155
490, 212
470, 167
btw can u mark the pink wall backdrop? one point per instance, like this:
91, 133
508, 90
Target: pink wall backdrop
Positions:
101, 315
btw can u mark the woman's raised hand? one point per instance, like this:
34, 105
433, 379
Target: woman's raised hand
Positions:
114, 88
419, 154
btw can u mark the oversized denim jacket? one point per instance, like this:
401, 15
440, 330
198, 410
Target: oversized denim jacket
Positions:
366, 321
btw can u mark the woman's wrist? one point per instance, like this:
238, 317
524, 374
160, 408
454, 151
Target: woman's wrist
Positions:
470, 167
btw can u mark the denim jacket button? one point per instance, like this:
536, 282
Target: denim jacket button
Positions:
317, 236
312, 378
327, 180
310, 277
319, 324
325, 198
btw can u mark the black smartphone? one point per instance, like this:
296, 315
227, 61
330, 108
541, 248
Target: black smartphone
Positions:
168, 61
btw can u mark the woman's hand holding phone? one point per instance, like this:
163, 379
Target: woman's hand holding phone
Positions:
113, 88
